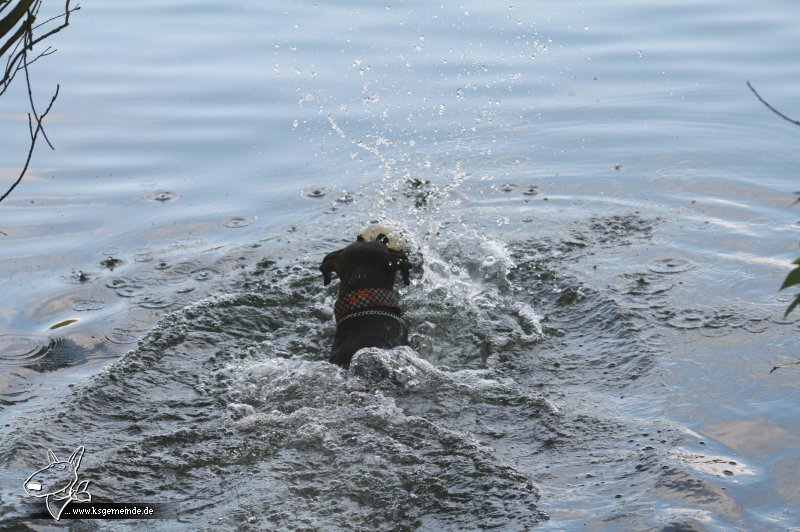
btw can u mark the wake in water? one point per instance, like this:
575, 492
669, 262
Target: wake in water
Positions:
515, 382
256, 429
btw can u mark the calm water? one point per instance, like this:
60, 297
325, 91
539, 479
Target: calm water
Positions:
603, 213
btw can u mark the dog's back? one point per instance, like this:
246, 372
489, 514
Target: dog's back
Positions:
367, 311
367, 331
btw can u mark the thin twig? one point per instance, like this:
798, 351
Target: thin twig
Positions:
26, 29
33, 107
34, 136
762, 100
785, 365
67, 11
20, 43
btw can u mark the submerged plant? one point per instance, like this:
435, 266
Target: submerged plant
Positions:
793, 278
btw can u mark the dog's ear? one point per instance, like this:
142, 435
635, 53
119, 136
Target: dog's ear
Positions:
328, 266
403, 265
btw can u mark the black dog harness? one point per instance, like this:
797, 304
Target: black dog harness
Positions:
372, 300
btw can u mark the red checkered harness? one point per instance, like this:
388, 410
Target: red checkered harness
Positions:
364, 299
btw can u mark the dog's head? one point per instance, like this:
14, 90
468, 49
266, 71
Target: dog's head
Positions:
365, 265
384, 231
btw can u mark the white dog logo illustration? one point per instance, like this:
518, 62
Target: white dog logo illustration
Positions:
57, 483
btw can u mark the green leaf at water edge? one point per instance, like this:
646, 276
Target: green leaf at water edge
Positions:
791, 307
792, 279
62, 324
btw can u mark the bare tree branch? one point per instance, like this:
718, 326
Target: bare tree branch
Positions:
35, 134
762, 100
16, 44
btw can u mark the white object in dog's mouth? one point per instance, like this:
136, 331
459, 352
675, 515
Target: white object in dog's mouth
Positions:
385, 232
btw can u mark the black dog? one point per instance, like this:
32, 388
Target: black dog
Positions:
367, 312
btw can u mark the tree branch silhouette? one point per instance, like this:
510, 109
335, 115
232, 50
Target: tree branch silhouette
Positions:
762, 100
793, 279
16, 45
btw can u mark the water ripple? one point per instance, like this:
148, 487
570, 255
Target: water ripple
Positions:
86, 305
163, 196
670, 265
23, 350
235, 222
39, 353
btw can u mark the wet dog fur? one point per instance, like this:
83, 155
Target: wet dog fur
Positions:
366, 265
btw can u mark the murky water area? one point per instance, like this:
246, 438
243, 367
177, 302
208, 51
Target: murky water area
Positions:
599, 208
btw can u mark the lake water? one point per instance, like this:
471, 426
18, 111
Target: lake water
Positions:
601, 208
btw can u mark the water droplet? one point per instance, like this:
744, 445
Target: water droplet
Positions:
204, 274
235, 222
110, 263
117, 282
163, 196
315, 192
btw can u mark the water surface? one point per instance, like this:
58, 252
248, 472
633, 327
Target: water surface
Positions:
601, 207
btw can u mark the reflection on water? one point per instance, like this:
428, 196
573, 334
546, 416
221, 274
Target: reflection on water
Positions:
599, 202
